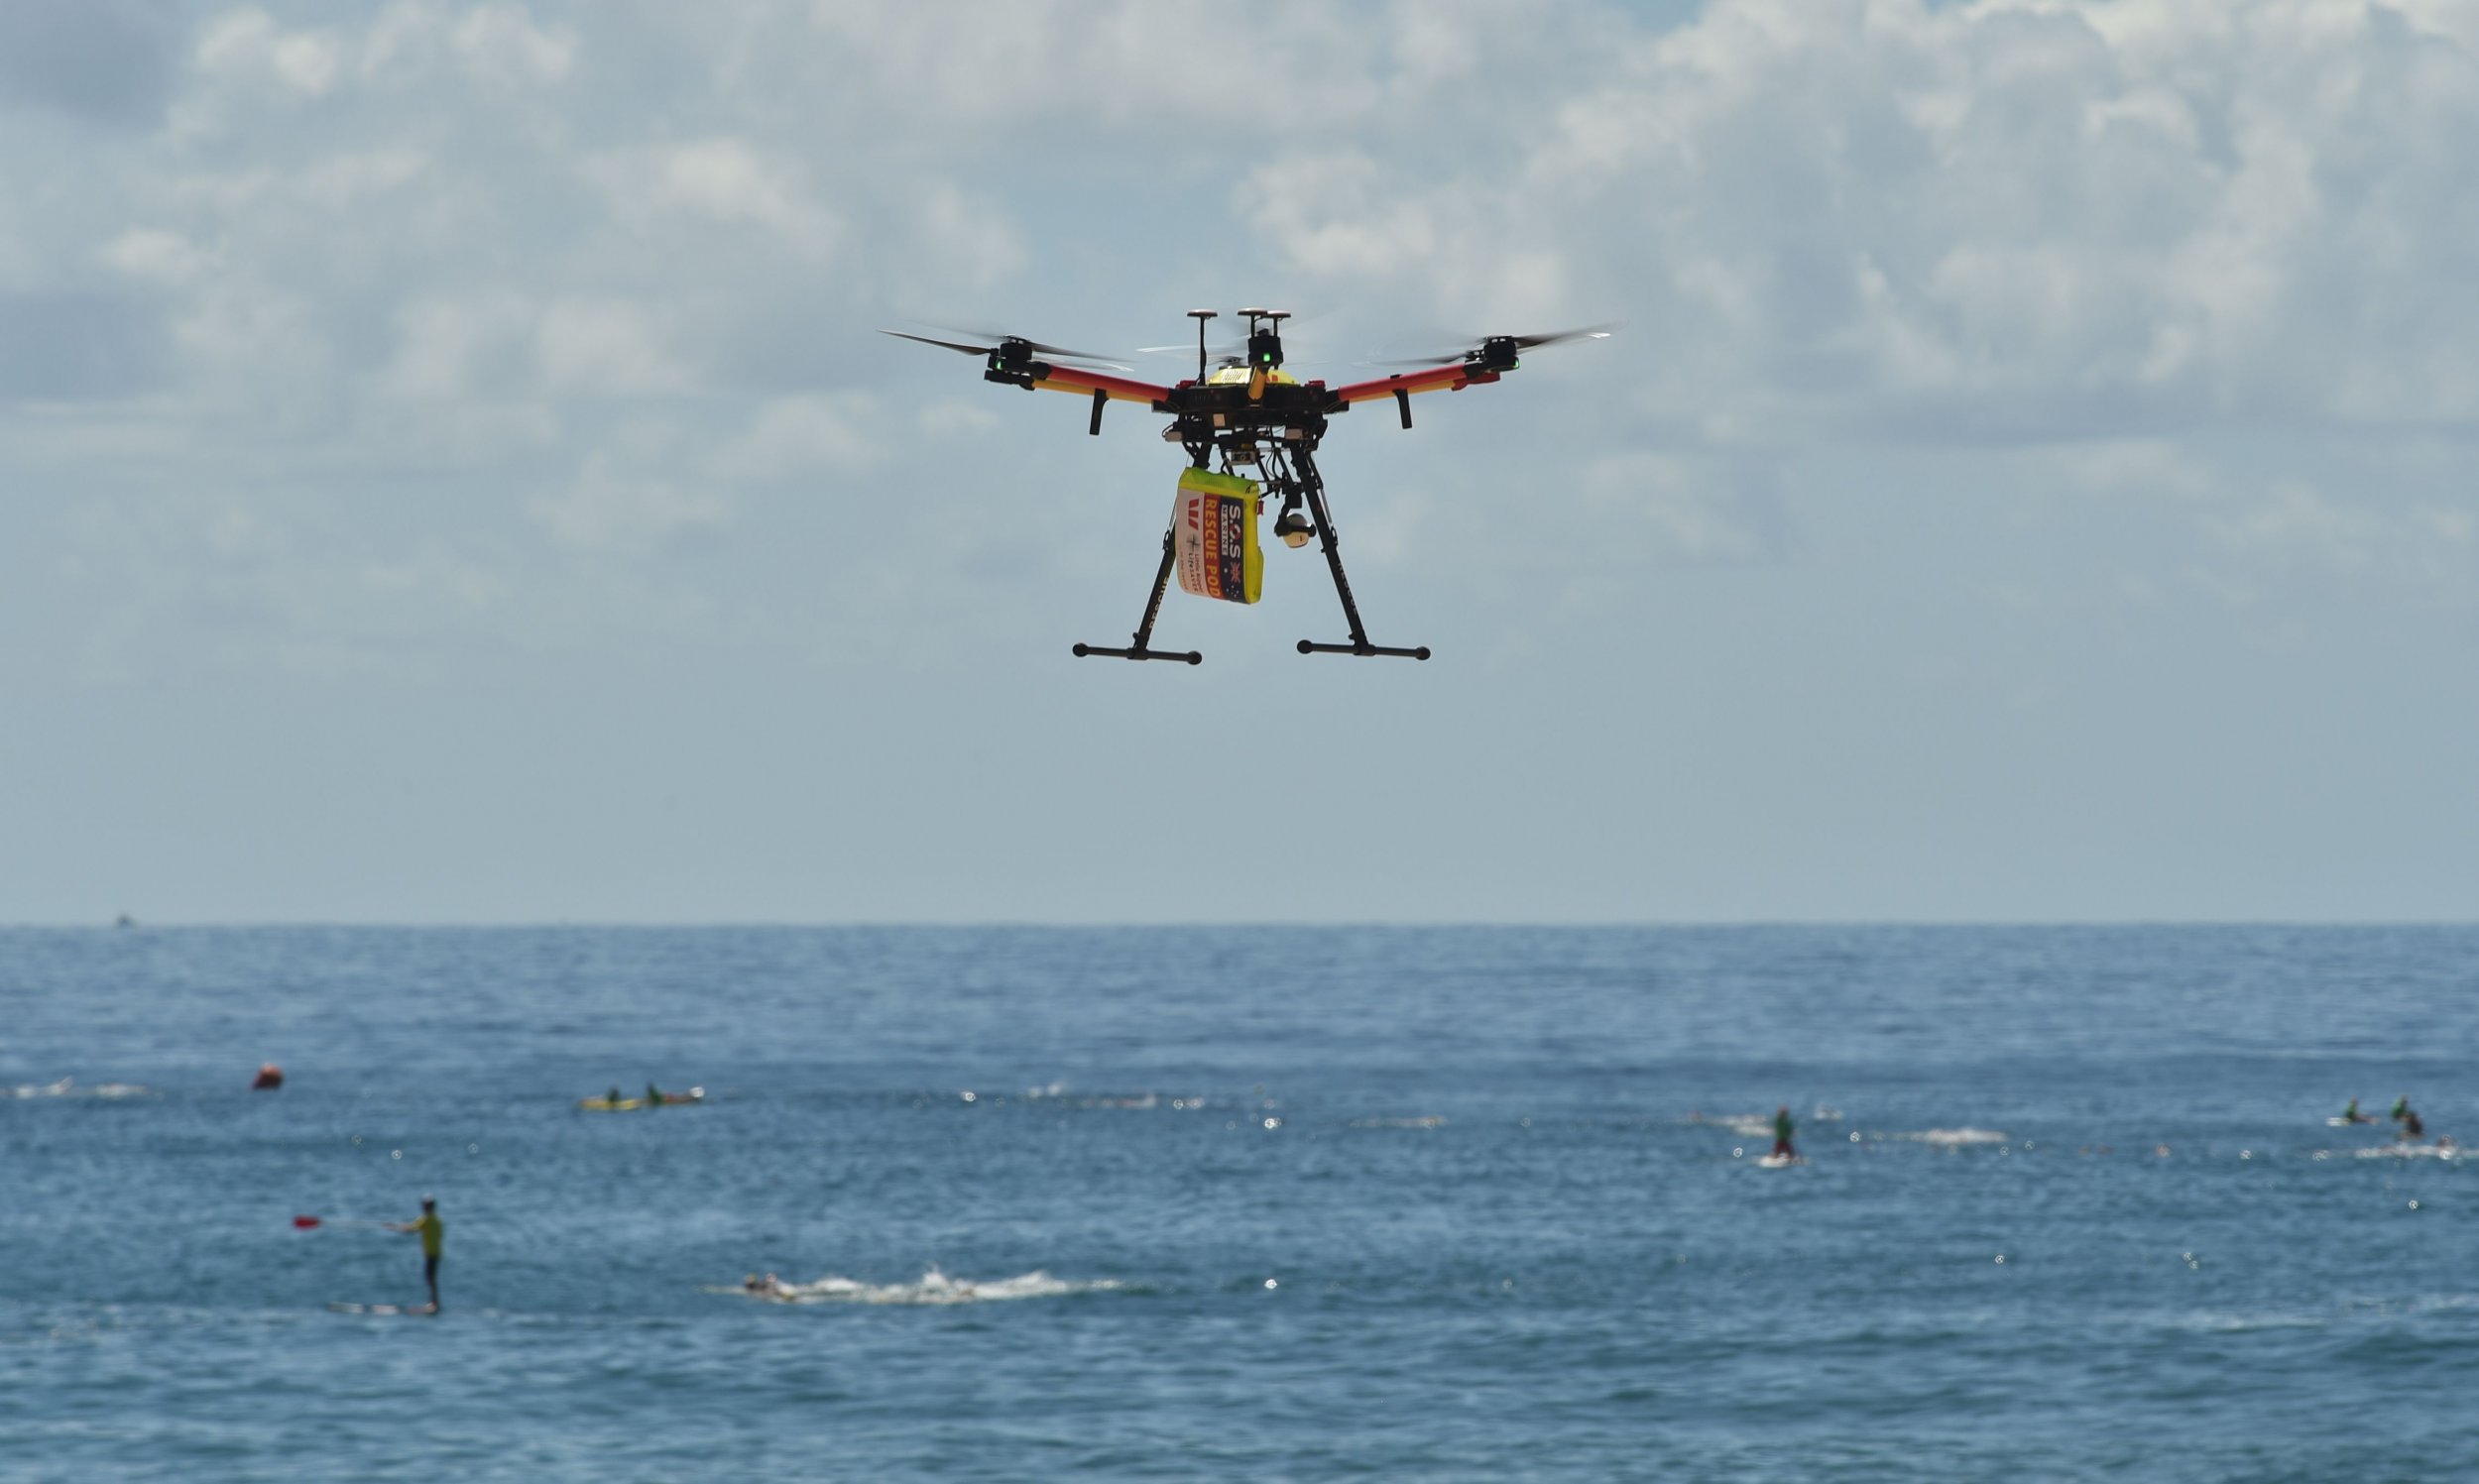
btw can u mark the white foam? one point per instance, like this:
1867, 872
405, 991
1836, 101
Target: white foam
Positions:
934, 1288
1952, 1136
2410, 1152
1433, 1120
68, 1088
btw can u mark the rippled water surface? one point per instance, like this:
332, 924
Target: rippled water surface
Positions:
1301, 1204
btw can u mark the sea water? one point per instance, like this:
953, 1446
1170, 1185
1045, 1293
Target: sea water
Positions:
1280, 1202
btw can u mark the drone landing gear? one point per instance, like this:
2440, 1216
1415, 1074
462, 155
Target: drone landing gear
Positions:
1314, 488
1308, 647
1153, 609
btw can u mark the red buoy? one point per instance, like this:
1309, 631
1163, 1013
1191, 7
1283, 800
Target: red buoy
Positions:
269, 1078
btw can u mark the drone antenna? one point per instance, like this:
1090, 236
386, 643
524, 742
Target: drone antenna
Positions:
1266, 346
1201, 316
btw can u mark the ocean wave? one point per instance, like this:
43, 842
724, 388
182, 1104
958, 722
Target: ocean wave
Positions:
933, 1287
1953, 1136
68, 1088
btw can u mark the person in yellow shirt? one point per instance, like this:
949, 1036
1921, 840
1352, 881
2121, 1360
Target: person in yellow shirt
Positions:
434, 1235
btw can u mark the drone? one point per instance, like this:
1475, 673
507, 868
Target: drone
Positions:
1244, 412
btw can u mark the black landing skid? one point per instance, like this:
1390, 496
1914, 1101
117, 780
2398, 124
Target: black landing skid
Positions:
1141, 648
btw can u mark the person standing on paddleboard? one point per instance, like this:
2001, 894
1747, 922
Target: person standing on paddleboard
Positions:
1782, 1129
434, 1236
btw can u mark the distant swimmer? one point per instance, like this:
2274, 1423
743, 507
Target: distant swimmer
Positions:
2412, 1128
769, 1286
1782, 1130
434, 1235
2351, 1114
2401, 1108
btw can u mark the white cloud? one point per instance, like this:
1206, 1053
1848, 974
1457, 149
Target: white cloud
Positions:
793, 436
1676, 510
501, 44
448, 347
604, 510
2027, 217
606, 348
951, 419
722, 180
248, 46
165, 259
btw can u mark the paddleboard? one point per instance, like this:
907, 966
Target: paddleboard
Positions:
2347, 1122
1779, 1162
408, 1311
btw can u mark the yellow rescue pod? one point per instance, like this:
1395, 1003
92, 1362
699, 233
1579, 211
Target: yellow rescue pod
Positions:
1214, 526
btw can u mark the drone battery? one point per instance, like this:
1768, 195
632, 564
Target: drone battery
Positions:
1215, 519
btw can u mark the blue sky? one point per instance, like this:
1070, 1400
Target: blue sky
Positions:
450, 475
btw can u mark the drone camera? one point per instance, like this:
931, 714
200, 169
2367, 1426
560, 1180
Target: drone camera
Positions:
1292, 527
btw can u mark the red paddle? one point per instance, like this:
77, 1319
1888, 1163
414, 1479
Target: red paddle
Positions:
306, 1223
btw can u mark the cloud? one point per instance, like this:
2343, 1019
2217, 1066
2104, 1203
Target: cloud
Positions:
793, 436
2014, 219
246, 46
1672, 510
165, 259
606, 510
721, 181
606, 348
499, 44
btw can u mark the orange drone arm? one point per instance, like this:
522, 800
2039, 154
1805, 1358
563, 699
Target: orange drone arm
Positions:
1051, 378
1453, 378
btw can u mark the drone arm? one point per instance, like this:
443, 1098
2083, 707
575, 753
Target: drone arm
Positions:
1453, 378
1082, 382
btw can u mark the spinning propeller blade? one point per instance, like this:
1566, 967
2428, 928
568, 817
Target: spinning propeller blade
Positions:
969, 350
1038, 347
1053, 352
1522, 342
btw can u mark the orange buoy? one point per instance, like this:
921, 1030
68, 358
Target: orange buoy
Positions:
269, 1078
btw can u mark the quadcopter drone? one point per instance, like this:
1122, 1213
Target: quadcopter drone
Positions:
1247, 412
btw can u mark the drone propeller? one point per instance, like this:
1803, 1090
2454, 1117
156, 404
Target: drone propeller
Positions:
1520, 342
969, 350
1000, 342
1038, 347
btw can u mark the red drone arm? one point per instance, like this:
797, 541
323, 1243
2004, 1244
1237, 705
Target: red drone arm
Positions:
1451, 378
1086, 383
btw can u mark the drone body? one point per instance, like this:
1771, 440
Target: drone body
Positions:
1249, 413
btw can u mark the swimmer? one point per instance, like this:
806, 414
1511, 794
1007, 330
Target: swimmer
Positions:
769, 1286
2411, 1129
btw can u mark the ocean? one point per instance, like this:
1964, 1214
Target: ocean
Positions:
1450, 1203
